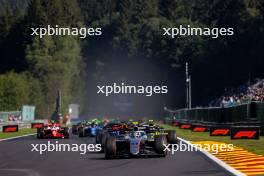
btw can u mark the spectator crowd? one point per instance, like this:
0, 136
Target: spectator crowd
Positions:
14, 118
243, 94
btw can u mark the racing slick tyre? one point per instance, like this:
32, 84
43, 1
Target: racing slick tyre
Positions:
74, 129
103, 141
158, 145
110, 148
81, 132
40, 133
66, 132
98, 137
172, 137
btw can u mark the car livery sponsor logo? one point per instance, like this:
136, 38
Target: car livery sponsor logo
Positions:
134, 146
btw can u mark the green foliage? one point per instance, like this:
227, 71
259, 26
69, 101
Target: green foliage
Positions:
56, 60
17, 90
130, 27
56, 12
56, 63
23, 131
53, 63
14, 91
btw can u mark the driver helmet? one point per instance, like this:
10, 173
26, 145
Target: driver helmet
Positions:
137, 134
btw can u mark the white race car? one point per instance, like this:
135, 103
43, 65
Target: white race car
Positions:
135, 143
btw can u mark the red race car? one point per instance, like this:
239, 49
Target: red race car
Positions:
53, 130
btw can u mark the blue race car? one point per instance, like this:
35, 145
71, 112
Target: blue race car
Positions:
89, 130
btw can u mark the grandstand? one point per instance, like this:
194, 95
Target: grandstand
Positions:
243, 94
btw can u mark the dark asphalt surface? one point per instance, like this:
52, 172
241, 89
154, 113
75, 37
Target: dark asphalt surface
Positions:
16, 159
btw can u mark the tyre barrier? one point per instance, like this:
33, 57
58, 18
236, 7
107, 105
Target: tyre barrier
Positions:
37, 125
245, 132
10, 128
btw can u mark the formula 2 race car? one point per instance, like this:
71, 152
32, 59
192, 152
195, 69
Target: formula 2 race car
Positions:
134, 144
53, 130
75, 128
155, 130
89, 130
75, 125
111, 129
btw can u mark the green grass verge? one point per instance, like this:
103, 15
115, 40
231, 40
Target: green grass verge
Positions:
19, 133
255, 146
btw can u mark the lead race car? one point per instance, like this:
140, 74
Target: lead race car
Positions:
135, 143
53, 130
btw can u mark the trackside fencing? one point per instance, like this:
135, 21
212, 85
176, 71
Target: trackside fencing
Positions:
250, 112
248, 115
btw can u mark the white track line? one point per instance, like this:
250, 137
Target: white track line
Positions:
17, 137
215, 159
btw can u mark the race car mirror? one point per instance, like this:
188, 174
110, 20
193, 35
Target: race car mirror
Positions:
245, 132
37, 125
10, 128
220, 131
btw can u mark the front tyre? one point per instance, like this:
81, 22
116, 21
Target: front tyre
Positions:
159, 143
110, 148
81, 132
98, 137
40, 133
66, 132
172, 137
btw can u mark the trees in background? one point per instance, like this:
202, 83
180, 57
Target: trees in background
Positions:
130, 27
53, 62
135, 29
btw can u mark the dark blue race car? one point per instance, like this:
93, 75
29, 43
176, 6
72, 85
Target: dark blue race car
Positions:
89, 130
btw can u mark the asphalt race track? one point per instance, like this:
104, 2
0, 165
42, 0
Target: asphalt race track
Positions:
16, 159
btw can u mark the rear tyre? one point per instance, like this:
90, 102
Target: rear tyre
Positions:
40, 133
110, 148
81, 132
172, 137
159, 143
98, 137
74, 129
66, 132
103, 141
